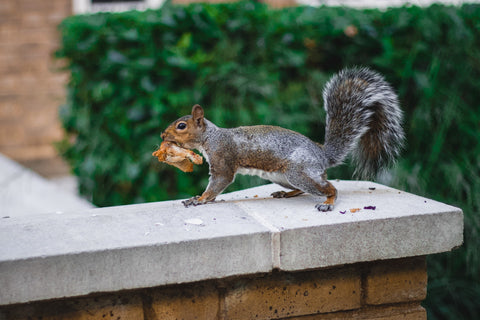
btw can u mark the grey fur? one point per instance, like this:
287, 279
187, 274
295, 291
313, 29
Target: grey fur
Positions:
363, 118
294, 151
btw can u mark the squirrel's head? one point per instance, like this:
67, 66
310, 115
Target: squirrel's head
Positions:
186, 131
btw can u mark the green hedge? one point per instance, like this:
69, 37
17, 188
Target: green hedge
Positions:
133, 73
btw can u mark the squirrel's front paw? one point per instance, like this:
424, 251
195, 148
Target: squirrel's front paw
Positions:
193, 201
324, 207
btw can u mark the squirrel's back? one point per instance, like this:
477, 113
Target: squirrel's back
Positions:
364, 118
272, 144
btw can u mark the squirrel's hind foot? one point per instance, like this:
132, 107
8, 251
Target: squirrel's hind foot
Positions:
285, 194
324, 207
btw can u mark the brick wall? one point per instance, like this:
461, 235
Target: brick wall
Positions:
386, 290
31, 89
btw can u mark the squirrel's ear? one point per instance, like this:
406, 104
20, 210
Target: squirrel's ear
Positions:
197, 114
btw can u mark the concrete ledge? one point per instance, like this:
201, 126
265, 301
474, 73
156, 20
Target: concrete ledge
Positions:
51, 255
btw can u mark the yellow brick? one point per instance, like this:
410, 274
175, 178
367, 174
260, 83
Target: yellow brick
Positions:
417, 315
196, 301
123, 307
293, 294
11, 134
396, 312
396, 281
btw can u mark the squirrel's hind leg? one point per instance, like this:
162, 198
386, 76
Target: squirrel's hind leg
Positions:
316, 184
327, 189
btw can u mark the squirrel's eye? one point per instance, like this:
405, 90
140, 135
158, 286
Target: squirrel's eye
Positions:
181, 125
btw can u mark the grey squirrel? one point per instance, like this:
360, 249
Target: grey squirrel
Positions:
363, 118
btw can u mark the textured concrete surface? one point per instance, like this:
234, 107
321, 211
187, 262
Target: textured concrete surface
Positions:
109, 249
402, 225
54, 255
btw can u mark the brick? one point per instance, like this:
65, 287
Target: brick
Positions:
39, 35
281, 3
58, 81
33, 19
293, 294
48, 167
125, 307
10, 109
419, 315
7, 85
42, 6
63, 7
14, 84
43, 126
396, 281
396, 312
8, 7
55, 17
196, 301
29, 66
11, 134
25, 153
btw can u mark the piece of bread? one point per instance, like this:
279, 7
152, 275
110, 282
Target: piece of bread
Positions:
174, 155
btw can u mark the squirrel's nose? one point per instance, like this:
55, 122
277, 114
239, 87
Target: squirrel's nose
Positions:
162, 135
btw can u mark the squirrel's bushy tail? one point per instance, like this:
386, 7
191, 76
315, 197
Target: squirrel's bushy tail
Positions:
364, 118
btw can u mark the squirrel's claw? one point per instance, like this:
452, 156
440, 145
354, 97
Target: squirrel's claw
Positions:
324, 207
279, 194
193, 201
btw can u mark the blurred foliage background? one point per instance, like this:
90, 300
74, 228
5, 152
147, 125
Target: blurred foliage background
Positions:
133, 73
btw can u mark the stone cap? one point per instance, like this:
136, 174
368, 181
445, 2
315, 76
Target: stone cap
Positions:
56, 255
